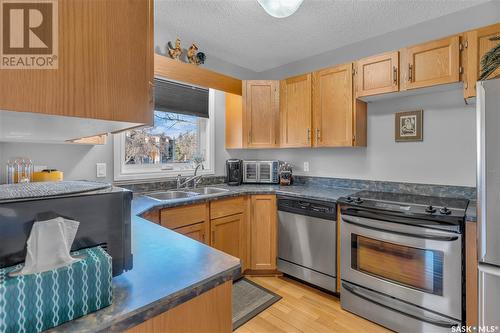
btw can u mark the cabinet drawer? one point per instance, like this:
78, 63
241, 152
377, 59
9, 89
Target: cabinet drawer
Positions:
177, 217
221, 208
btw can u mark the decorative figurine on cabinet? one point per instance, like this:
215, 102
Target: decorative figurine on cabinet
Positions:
175, 52
195, 57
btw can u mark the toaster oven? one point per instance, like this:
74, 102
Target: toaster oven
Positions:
266, 172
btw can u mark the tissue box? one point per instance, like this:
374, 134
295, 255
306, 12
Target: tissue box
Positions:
36, 302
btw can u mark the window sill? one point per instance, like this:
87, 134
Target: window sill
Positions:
152, 177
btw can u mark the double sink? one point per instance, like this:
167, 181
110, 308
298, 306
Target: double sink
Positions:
185, 193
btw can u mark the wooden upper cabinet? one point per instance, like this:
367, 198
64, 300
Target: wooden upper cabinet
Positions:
105, 65
477, 43
234, 121
377, 75
264, 241
333, 107
432, 63
260, 114
295, 111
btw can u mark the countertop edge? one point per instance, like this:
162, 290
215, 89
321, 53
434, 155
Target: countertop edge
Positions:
166, 303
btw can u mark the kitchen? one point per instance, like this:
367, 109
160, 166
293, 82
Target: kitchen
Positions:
378, 139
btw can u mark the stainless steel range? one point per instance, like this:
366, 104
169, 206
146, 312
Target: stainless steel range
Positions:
401, 260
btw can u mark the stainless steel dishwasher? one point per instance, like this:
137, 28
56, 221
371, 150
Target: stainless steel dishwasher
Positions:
307, 240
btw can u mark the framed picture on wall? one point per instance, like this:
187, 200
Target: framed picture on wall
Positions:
409, 126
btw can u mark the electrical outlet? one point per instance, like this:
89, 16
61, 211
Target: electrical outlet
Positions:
100, 170
306, 166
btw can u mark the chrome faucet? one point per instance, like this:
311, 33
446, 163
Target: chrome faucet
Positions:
195, 179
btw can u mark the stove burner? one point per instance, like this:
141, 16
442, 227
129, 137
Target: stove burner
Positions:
445, 211
429, 209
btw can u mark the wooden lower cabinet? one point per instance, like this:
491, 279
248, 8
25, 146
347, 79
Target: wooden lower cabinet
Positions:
211, 312
264, 241
227, 234
195, 231
192, 221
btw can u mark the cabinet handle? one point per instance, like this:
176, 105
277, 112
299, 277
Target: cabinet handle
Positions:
318, 134
410, 72
213, 237
395, 75
308, 135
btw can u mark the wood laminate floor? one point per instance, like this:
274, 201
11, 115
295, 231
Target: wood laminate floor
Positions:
304, 309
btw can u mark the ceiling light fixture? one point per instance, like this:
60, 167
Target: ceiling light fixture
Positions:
280, 8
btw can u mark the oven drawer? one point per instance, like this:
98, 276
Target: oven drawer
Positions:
418, 265
392, 313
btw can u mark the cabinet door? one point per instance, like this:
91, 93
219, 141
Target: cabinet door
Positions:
431, 63
195, 231
295, 111
263, 232
227, 234
477, 44
333, 106
261, 112
378, 74
234, 121
105, 65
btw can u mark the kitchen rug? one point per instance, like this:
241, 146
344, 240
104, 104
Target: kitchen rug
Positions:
250, 299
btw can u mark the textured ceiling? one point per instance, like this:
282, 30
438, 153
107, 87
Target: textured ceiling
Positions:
240, 32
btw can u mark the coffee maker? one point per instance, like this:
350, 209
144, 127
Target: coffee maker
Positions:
234, 171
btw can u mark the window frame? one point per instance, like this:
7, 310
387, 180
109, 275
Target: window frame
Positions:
122, 174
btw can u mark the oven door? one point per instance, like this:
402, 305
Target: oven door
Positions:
421, 266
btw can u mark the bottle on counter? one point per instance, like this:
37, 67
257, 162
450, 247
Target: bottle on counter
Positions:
9, 172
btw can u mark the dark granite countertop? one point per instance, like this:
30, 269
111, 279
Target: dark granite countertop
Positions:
142, 203
169, 269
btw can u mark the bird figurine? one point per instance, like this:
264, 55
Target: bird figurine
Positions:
191, 54
195, 57
175, 52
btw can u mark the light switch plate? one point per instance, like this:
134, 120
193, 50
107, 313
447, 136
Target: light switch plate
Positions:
306, 166
100, 170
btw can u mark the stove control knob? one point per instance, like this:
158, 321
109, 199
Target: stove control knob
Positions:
359, 200
349, 199
429, 209
445, 211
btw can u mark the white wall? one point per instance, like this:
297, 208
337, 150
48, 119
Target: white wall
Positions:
445, 156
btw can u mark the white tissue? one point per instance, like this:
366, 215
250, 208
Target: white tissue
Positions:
49, 245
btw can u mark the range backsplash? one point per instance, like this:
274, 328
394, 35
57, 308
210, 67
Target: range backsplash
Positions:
371, 185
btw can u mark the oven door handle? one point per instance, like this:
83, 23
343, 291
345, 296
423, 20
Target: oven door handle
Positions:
380, 301
365, 223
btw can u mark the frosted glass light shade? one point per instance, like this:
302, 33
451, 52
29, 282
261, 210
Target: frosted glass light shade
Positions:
280, 8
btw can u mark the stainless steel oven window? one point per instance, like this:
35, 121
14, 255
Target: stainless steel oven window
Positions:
412, 267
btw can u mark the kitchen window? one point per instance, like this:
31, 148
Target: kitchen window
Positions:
181, 138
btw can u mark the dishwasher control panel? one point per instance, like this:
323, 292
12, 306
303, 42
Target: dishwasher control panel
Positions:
309, 207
